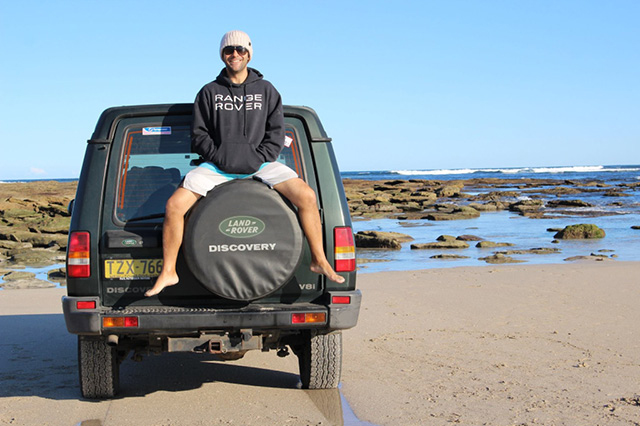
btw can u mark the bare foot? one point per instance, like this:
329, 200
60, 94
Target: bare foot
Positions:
327, 270
161, 283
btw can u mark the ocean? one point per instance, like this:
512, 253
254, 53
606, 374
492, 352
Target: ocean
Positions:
615, 215
612, 174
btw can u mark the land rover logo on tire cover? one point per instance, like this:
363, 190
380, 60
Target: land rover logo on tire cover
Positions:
241, 226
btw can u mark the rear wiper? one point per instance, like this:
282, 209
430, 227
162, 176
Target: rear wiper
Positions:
149, 216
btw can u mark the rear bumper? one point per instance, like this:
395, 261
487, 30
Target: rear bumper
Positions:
176, 320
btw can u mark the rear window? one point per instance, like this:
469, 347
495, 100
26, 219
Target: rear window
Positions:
155, 160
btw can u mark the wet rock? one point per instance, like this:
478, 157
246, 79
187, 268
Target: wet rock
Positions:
384, 188
580, 231
37, 257
386, 207
58, 274
18, 276
21, 280
414, 224
54, 225
380, 243
14, 245
417, 201
560, 190
36, 239
538, 250
19, 214
499, 258
384, 240
411, 206
453, 213
469, 238
538, 215
449, 190
453, 244
376, 200
491, 244
526, 206
592, 257
443, 256
424, 198
491, 206
568, 203
616, 194
496, 195
377, 215
363, 260
591, 183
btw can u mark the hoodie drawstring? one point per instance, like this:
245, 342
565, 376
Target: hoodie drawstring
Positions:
244, 110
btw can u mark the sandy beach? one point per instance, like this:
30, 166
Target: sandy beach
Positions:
491, 345
506, 345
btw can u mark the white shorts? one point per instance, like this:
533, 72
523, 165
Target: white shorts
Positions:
207, 176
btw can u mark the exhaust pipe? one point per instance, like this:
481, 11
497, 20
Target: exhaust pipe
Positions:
112, 340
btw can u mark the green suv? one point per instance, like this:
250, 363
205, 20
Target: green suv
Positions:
245, 282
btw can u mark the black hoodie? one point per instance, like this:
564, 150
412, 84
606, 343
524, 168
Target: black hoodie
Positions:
238, 127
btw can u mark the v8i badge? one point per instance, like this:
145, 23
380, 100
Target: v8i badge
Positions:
241, 226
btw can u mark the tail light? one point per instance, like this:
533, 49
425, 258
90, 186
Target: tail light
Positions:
345, 250
309, 317
78, 260
108, 322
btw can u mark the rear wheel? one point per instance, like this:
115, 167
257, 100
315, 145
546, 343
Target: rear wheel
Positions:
320, 360
98, 367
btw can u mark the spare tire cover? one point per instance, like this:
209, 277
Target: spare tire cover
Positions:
243, 241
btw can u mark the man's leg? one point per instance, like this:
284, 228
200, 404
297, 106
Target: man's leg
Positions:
172, 232
304, 198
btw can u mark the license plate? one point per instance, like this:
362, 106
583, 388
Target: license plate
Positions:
132, 269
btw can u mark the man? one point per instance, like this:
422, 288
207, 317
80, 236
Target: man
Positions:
238, 128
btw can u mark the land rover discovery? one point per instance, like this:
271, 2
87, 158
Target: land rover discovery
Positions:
245, 282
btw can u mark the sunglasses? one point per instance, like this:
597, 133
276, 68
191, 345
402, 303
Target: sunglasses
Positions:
230, 49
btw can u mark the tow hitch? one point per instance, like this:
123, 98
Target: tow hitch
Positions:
215, 343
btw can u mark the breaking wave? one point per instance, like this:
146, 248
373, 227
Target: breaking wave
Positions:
519, 170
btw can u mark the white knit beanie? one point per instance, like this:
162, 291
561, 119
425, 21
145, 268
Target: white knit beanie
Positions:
236, 38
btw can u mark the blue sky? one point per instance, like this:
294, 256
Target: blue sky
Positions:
398, 85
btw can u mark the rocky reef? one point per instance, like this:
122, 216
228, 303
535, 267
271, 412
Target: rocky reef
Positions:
34, 223
465, 199
434, 200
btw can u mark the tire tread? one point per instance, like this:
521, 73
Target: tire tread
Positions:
98, 368
321, 361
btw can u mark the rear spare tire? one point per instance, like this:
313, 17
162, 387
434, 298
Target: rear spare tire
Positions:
243, 241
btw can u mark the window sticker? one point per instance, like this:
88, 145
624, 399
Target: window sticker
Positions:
287, 141
154, 131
